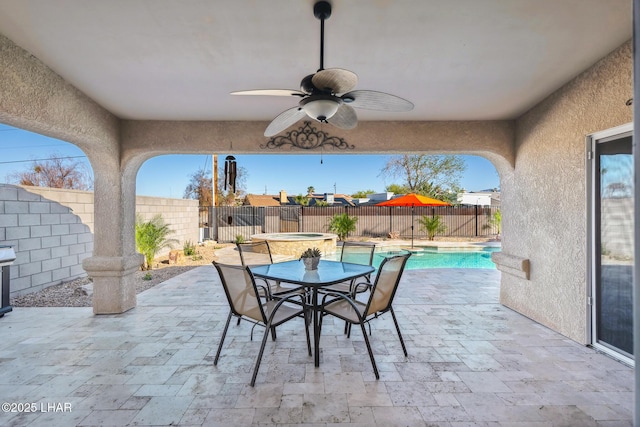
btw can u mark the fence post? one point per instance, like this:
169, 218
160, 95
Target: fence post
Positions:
476, 206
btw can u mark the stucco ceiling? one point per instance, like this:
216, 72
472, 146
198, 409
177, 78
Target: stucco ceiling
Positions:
454, 59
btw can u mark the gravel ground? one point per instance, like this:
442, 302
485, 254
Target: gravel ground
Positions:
72, 293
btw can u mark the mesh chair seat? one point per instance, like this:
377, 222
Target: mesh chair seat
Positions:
352, 313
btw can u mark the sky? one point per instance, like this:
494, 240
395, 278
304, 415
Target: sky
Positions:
169, 175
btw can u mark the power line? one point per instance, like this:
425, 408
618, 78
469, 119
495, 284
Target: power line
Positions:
38, 160
32, 146
206, 160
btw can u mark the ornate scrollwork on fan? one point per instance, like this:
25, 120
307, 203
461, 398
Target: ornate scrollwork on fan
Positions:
307, 138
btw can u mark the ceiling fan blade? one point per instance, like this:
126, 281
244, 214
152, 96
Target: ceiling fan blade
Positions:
335, 80
270, 92
344, 118
284, 120
372, 100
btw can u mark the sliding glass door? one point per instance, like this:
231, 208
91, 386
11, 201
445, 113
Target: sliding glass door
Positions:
612, 243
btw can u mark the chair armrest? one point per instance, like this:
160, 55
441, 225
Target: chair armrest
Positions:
339, 296
360, 285
266, 289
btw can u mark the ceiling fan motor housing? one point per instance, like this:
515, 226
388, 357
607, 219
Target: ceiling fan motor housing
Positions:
321, 107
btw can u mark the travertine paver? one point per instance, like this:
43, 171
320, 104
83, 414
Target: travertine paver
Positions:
471, 362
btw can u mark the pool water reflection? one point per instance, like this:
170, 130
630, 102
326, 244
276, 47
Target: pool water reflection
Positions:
435, 258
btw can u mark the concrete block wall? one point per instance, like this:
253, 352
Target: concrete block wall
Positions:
49, 239
181, 215
51, 231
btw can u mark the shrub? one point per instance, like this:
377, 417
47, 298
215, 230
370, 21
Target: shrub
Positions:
495, 221
189, 248
239, 238
151, 236
432, 226
342, 225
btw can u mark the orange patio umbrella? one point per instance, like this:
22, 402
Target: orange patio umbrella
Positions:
413, 199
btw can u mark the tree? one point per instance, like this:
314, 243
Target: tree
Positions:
362, 194
56, 172
311, 189
227, 197
151, 236
200, 188
301, 200
430, 175
398, 189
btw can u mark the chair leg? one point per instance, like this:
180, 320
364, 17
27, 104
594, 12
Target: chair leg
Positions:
395, 321
259, 358
306, 330
373, 361
224, 334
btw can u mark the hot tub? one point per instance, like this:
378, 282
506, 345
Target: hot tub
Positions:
294, 244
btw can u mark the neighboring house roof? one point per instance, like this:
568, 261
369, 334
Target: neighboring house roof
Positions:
274, 200
493, 196
261, 200
337, 201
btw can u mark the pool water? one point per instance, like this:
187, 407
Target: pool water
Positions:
433, 258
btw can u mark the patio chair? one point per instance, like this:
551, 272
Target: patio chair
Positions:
259, 253
380, 301
245, 302
357, 253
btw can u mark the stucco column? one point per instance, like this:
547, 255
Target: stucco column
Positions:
115, 258
34, 98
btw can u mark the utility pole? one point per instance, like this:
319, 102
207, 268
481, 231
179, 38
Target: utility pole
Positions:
214, 177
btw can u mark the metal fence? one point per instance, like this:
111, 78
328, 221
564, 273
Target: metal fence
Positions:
227, 223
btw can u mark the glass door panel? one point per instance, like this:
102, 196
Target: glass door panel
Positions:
613, 243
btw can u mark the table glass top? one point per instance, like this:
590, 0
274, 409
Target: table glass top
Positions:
328, 272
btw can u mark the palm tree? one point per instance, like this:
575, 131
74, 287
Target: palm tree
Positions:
151, 236
342, 225
432, 226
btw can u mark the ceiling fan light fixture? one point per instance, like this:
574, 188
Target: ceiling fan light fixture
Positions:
320, 108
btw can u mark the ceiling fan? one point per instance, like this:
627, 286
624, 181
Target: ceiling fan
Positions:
328, 96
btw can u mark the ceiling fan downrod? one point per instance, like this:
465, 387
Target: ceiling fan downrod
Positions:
322, 11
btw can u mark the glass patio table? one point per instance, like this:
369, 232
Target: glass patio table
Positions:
328, 273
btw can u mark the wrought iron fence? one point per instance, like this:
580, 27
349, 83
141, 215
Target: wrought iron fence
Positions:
230, 223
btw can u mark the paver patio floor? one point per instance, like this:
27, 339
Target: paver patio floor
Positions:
472, 362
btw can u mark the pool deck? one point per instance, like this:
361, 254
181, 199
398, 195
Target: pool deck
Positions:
472, 362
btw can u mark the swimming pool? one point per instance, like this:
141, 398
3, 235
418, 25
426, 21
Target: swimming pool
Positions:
422, 258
